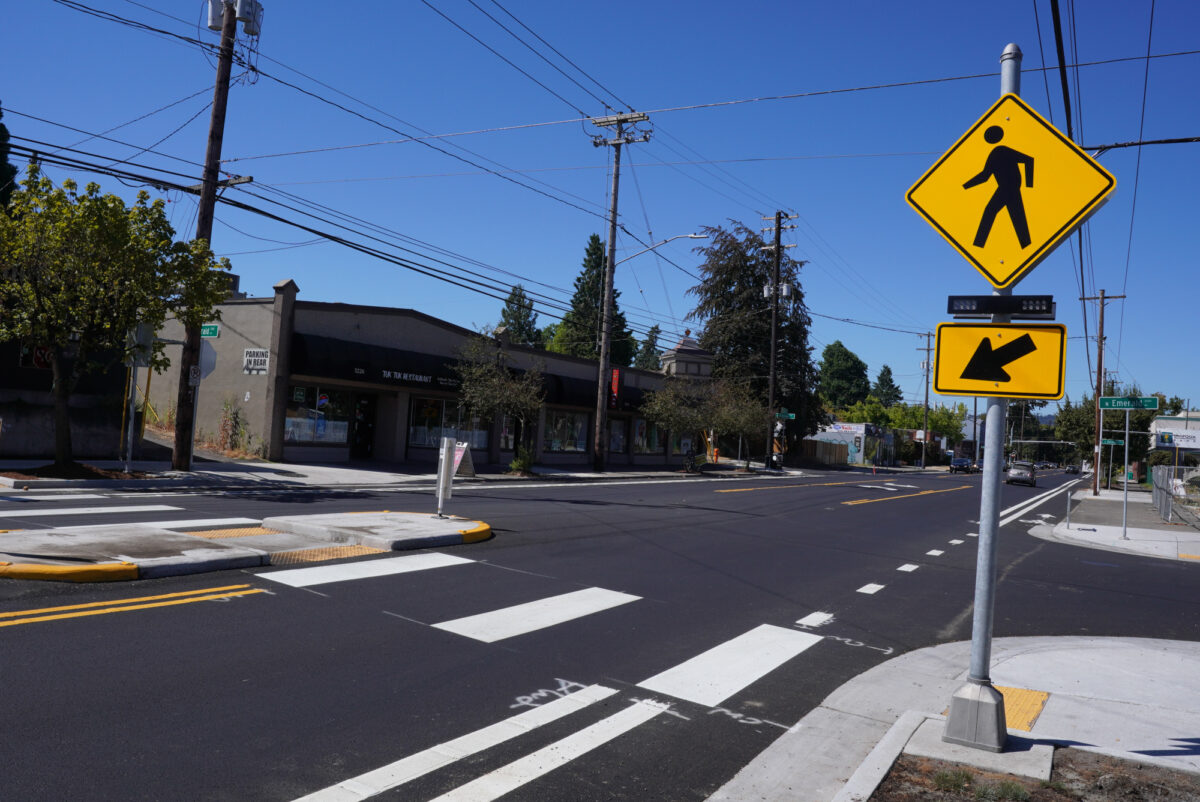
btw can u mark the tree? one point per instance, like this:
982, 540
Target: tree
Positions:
885, 388
490, 388
870, 410
78, 273
8, 172
843, 376
733, 410
681, 406
519, 318
737, 322
579, 332
649, 353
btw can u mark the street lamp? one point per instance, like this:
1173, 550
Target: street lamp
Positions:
603, 377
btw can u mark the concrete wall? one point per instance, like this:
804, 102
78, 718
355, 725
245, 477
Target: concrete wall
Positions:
243, 325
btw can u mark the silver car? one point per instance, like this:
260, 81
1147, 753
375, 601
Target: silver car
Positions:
1022, 473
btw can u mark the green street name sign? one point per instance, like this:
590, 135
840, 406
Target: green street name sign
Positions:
786, 415
210, 330
1112, 442
1128, 402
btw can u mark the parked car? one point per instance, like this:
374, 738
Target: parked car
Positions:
1022, 473
1072, 469
961, 465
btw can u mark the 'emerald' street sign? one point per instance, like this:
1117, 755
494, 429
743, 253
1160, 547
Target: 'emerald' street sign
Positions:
1128, 402
210, 330
1112, 442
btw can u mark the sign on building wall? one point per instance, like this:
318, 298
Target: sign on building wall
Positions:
1177, 438
255, 360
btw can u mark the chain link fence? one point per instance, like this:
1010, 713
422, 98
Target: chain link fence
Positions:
1177, 494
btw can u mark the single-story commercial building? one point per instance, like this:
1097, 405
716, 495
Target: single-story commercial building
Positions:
331, 382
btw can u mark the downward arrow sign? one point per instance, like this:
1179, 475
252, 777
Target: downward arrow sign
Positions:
988, 365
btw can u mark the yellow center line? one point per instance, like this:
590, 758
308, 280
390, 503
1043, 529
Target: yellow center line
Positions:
782, 487
127, 608
121, 601
906, 495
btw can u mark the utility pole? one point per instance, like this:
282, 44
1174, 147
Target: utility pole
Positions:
925, 366
773, 293
189, 361
1103, 299
603, 378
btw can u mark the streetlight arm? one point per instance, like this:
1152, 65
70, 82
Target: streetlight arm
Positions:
659, 244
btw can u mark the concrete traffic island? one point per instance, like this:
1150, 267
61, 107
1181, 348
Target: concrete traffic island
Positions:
119, 552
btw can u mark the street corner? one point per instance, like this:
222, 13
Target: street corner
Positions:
97, 572
386, 530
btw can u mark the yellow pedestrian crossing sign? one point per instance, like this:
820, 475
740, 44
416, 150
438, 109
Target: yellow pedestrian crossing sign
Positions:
1003, 360
1009, 191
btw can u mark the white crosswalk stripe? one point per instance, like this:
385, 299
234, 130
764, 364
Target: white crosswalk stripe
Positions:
511, 777
57, 497
410, 768
24, 512
713, 676
323, 574
509, 622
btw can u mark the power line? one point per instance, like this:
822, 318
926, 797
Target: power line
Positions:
1137, 174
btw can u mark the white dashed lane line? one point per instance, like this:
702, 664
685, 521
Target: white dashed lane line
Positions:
871, 588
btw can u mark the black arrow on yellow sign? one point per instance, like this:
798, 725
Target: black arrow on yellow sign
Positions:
988, 365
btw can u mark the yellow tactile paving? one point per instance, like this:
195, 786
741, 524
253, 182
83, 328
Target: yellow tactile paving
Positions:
1022, 707
318, 555
240, 531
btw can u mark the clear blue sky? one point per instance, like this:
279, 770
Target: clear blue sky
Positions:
781, 132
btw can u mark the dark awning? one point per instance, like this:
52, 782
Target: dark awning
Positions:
334, 358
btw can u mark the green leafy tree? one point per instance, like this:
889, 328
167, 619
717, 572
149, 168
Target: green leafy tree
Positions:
79, 272
490, 387
735, 411
682, 406
519, 319
649, 353
8, 172
737, 323
843, 376
885, 388
579, 332
870, 410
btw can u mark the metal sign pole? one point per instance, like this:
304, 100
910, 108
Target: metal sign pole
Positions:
1125, 499
976, 717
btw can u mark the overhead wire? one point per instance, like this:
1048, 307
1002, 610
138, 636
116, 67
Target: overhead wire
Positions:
1137, 174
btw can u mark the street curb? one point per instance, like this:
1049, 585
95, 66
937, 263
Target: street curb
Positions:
476, 534
104, 572
879, 761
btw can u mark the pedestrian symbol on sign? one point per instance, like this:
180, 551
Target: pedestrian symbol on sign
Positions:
1004, 165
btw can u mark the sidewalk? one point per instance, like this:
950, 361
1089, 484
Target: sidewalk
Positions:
1133, 698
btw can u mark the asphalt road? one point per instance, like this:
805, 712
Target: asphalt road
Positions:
669, 654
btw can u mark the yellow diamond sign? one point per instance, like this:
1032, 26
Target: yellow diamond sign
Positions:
1005, 360
1009, 191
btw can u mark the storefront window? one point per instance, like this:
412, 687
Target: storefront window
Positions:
682, 443
435, 418
647, 437
317, 415
616, 436
508, 428
565, 431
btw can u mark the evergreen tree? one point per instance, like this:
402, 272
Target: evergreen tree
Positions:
8, 172
737, 322
885, 388
579, 332
843, 376
519, 318
649, 353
